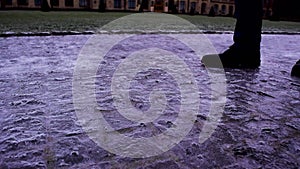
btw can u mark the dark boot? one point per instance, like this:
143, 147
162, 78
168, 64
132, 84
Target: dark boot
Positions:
296, 69
234, 58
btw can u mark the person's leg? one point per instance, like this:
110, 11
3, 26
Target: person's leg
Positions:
245, 52
247, 33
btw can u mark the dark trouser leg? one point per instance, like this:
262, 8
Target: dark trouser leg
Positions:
247, 33
245, 52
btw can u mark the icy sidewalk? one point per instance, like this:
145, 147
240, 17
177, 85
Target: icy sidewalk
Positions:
260, 126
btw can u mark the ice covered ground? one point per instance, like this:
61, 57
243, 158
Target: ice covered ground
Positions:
260, 127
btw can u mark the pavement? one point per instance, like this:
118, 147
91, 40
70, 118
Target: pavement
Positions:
259, 127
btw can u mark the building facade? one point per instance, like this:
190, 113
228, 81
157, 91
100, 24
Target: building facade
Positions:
220, 7
284, 8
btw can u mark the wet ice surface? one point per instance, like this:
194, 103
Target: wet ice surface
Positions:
260, 126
